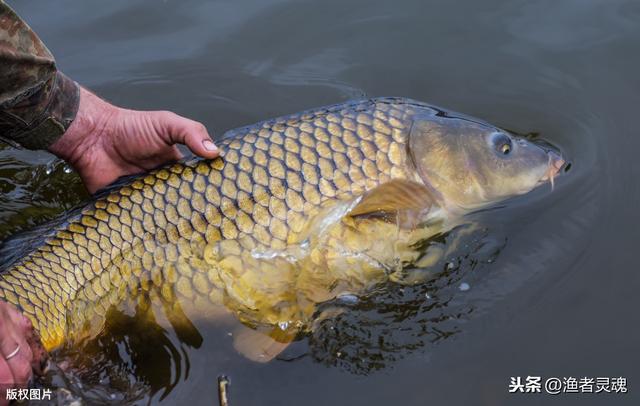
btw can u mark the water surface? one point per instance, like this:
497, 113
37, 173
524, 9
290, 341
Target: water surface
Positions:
550, 285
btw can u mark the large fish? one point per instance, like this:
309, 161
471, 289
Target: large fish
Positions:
297, 211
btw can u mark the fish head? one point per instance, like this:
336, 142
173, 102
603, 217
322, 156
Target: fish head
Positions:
470, 164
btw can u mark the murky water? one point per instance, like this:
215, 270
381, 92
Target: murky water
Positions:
548, 287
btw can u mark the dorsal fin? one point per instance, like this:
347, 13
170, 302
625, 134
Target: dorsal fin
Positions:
394, 196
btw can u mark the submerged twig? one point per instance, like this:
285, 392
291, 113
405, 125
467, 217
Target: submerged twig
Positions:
223, 384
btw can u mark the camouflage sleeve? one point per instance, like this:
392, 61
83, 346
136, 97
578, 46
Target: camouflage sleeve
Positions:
37, 102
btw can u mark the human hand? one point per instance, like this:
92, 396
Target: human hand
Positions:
105, 142
20, 350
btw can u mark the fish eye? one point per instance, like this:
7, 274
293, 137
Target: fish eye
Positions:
502, 143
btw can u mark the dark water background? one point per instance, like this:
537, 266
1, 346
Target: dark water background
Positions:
560, 299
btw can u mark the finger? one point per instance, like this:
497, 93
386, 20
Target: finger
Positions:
8, 332
18, 319
19, 362
21, 367
39, 355
191, 133
12, 339
24, 332
6, 378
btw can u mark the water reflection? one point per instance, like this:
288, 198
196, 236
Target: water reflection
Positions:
133, 359
33, 191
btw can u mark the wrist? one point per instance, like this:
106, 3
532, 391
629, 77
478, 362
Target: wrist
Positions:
86, 130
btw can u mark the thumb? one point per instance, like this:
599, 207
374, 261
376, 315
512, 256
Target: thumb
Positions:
190, 133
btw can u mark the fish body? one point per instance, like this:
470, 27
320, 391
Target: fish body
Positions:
297, 210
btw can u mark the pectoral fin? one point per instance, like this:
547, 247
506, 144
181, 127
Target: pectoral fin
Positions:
396, 198
256, 345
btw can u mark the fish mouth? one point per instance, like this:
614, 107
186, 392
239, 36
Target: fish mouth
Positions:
555, 166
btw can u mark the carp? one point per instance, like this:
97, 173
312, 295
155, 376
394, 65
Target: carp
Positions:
296, 211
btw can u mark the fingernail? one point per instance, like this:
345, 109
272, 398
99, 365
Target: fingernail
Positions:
209, 146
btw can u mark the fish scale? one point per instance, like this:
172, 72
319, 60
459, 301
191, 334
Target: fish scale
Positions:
154, 232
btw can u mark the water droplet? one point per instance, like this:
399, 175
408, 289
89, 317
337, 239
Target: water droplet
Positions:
67, 169
50, 167
283, 325
427, 296
464, 286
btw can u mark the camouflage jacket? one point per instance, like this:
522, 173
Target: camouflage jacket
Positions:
37, 102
